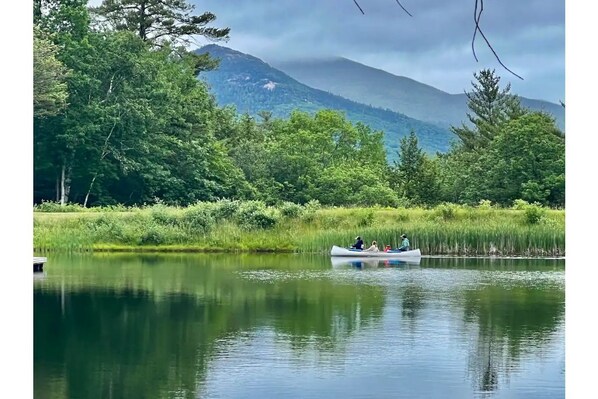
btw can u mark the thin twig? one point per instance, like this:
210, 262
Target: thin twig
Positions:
404, 9
358, 6
477, 27
476, 19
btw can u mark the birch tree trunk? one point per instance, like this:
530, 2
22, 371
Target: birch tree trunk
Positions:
65, 184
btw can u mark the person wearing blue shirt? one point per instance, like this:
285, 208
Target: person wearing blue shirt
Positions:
358, 243
404, 244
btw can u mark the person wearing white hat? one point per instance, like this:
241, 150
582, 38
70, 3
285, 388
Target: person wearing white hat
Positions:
358, 243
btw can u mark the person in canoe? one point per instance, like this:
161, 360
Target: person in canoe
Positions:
358, 243
373, 247
404, 244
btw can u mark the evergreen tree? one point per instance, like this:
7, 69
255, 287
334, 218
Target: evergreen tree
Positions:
490, 108
416, 176
49, 87
159, 20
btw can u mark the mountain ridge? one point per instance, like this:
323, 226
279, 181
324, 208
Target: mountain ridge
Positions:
253, 85
359, 82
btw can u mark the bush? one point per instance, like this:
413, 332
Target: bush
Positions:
255, 215
520, 204
225, 209
164, 215
152, 236
377, 195
291, 210
366, 219
446, 211
51, 206
313, 205
534, 213
199, 217
485, 204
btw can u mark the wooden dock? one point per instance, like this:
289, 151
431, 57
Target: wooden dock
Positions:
38, 263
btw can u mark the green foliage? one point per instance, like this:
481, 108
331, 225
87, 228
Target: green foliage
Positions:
224, 209
520, 204
526, 161
534, 213
164, 215
53, 206
201, 217
485, 204
250, 96
291, 210
446, 211
491, 108
49, 86
255, 215
140, 128
159, 20
415, 176
447, 229
366, 219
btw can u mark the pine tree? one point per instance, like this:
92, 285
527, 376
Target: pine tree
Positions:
490, 109
159, 20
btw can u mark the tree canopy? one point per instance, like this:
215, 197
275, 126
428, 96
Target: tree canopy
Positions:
120, 117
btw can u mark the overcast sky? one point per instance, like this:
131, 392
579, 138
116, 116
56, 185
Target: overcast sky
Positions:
433, 46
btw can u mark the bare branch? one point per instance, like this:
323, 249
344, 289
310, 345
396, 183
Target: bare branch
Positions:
476, 19
358, 6
404, 9
478, 29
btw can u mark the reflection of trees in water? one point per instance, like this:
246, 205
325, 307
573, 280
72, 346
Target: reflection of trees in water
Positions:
412, 302
129, 341
506, 321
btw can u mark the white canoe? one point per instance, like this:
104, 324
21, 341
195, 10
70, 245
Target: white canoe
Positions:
339, 251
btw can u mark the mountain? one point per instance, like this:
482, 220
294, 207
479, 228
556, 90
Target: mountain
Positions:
252, 85
379, 88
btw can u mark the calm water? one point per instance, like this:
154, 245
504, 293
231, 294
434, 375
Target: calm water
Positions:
271, 326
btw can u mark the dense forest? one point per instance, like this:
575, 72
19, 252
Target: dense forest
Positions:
121, 118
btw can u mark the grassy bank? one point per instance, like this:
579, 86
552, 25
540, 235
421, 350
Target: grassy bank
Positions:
252, 226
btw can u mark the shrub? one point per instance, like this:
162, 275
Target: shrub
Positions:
255, 215
225, 209
534, 213
199, 217
485, 204
152, 236
520, 204
446, 211
291, 210
51, 206
164, 215
366, 219
313, 205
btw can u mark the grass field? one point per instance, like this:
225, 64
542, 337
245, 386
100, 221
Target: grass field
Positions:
252, 227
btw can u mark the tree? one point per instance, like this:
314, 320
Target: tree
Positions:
490, 108
159, 20
49, 87
139, 125
526, 161
415, 176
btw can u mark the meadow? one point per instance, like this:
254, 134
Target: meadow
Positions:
252, 226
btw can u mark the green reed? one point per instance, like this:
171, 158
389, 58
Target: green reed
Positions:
252, 226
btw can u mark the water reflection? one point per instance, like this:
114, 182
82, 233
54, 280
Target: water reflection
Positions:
344, 261
510, 320
166, 326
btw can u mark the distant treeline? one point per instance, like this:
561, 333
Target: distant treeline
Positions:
120, 118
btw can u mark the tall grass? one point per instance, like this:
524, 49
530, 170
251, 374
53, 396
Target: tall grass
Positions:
253, 226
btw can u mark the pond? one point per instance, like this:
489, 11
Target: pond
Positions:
297, 326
